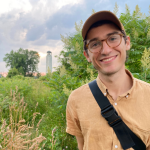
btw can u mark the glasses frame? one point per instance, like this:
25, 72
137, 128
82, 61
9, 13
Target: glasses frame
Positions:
121, 35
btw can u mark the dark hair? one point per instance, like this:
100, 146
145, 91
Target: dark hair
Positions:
100, 23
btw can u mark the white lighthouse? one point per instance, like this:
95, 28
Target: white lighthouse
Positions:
49, 61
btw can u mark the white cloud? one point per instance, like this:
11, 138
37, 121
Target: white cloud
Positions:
8, 5
61, 3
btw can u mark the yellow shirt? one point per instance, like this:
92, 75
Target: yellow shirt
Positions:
84, 117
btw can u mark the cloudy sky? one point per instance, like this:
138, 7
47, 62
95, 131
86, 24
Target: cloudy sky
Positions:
37, 24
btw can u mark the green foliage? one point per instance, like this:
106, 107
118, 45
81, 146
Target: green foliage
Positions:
12, 72
137, 27
24, 61
61, 87
16, 128
38, 75
24, 86
145, 60
43, 78
19, 77
93, 11
43, 98
116, 8
72, 58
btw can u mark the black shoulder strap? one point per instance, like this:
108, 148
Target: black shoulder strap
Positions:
126, 137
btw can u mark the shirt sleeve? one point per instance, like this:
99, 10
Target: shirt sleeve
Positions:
73, 124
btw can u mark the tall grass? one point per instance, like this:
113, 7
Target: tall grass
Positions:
38, 97
17, 133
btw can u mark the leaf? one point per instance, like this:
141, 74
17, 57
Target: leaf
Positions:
93, 11
146, 59
116, 8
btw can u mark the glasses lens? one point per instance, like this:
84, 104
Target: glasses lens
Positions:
95, 46
114, 40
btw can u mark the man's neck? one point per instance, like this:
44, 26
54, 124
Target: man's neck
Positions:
117, 84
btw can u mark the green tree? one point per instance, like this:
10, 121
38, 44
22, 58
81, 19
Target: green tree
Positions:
38, 75
72, 58
24, 61
137, 26
12, 72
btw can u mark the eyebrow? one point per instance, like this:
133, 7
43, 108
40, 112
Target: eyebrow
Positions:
112, 33
106, 35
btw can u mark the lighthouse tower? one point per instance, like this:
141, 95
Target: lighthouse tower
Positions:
49, 61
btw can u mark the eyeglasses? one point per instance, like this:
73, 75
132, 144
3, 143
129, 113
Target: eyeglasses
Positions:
112, 41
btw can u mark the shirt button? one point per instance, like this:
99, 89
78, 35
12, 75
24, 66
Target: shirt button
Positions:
115, 103
116, 146
105, 94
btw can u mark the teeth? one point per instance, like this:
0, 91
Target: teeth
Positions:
108, 59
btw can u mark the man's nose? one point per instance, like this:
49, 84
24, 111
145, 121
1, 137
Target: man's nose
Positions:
105, 49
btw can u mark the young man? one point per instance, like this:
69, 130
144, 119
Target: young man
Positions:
105, 46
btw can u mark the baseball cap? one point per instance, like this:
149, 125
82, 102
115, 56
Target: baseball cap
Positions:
98, 16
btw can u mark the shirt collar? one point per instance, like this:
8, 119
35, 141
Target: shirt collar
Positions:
104, 89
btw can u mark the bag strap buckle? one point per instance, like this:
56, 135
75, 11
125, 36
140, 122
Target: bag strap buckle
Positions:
110, 114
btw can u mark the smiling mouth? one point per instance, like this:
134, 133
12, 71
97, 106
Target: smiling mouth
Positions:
108, 59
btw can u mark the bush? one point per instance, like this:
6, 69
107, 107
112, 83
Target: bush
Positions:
12, 72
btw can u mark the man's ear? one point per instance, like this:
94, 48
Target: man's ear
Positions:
128, 43
87, 56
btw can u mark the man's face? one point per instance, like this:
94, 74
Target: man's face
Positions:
109, 60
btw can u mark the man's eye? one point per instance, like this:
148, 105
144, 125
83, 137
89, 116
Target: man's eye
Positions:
95, 44
113, 39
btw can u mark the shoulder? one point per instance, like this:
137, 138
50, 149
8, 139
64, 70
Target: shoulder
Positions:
80, 91
79, 95
142, 84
